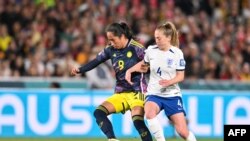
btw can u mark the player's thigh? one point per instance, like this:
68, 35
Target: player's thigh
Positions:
136, 103
151, 109
116, 104
137, 110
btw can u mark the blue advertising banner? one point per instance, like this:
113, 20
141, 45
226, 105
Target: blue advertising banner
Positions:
69, 113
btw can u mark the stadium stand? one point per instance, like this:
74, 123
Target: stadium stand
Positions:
46, 38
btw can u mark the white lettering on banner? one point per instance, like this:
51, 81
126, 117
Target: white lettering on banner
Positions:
218, 115
17, 118
199, 129
127, 124
163, 119
72, 115
97, 100
76, 115
32, 113
236, 104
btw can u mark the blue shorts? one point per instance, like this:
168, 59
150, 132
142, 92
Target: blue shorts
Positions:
170, 105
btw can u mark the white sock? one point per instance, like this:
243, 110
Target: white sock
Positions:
191, 137
156, 129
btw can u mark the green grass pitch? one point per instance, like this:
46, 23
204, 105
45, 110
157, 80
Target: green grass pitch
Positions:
91, 139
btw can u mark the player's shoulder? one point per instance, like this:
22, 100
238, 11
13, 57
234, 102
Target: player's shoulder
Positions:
175, 50
108, 48
152, 47
135, 44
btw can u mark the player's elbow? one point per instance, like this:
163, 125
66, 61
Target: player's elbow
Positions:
181, 78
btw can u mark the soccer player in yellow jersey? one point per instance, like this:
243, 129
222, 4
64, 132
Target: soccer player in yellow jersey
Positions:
124, 53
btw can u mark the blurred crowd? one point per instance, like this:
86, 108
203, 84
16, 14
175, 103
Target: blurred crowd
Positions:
46, 38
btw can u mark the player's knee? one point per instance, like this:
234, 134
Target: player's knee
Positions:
150, 112
150, 115
182, 132
184, 135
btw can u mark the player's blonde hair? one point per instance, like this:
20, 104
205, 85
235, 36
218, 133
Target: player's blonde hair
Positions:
169, 29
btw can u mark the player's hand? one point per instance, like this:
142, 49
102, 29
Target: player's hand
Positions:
128, 77
164, 83
144, 67
75, 71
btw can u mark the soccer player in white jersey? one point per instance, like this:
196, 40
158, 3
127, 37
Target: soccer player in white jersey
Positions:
167, 65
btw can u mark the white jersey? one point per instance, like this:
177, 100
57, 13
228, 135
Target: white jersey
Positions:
163, 65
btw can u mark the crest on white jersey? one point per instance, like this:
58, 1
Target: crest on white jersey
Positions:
170, 61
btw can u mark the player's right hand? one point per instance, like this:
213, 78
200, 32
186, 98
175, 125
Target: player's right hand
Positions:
75, 71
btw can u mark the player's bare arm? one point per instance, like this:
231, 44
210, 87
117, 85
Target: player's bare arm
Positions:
178, 78
139, 67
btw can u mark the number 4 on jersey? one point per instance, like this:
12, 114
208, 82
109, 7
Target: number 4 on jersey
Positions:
159, 71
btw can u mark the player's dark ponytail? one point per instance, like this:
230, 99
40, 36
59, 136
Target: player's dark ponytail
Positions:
127, 32
120, 28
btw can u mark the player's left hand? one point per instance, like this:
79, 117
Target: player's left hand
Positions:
164, 83
144, 67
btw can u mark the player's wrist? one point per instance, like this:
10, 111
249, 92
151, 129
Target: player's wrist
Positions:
130, 70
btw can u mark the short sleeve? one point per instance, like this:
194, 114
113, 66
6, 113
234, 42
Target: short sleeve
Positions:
146, 56
181, 63
140, 51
